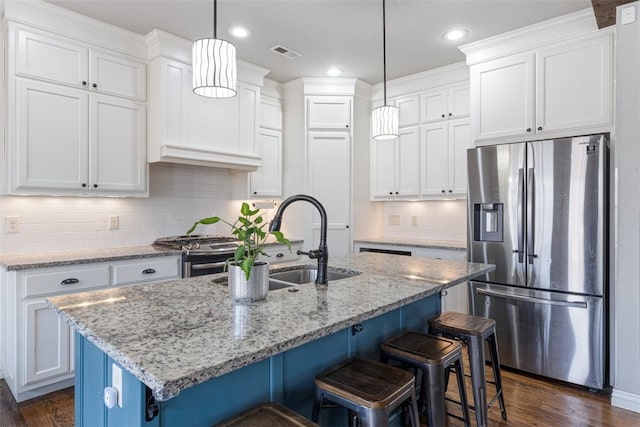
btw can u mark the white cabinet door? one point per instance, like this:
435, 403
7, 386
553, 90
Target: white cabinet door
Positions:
502, 97
459, 142
383, 169
46, 347
266, 181
117, 75
270, 114
458, 100
408, 166
408, 110
329, 169
434, 105
55, 59
118, 160
248, 107
51, 137
435, 159
573, 87
328, 112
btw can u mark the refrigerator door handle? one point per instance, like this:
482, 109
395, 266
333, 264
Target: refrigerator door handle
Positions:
520, 250
574, 304
531, 208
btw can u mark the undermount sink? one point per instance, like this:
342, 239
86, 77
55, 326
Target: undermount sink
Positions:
307, 274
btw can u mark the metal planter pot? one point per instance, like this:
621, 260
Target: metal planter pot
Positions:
254, 289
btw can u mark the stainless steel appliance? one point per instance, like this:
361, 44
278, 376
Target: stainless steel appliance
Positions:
201, 254
539, 212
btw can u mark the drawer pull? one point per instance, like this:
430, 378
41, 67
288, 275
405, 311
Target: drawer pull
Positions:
149, 271
70, 281
279, 255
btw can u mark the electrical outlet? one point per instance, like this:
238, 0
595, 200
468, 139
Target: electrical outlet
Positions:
12, 224
394, 219
116, 381
414, 220
114, 222
628, 15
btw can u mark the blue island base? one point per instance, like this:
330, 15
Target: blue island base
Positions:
286, 378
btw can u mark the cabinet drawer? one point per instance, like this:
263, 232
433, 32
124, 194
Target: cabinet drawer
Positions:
57, 281
146, 270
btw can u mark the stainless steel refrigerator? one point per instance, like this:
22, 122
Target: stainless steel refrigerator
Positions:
539, 212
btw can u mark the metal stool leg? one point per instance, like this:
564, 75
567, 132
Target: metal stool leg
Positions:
495, 364
414, 414
462, 392
476, 362
433, 380
317, 402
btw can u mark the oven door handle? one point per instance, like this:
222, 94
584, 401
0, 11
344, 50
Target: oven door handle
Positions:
207, 265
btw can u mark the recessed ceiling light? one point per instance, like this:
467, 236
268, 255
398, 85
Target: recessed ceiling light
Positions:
455, 34
239, 32
334, 71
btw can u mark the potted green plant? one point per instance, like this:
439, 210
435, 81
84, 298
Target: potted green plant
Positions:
248, 276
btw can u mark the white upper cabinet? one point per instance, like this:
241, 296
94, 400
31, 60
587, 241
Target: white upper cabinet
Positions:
553, 89
449, 102
408, 110
270, 114
329, 112
69, 62
266, 181
395, 172
444, 159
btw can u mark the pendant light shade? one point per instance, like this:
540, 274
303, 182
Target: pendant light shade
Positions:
384, 120
214, 65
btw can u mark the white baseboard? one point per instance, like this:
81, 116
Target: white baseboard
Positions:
625, 400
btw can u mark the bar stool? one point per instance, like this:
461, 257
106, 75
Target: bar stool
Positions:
369, 390
474, 331
433, 356
268, 414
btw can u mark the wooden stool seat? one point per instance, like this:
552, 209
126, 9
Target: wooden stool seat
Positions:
474, 331
268, 414
434, 356
367, 388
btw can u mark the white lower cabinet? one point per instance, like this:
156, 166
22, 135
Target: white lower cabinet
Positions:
455, 298
39, 355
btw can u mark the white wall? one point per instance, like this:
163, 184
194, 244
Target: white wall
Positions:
626, 287
179, 195
435, 220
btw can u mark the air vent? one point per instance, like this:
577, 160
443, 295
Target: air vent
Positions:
286, 52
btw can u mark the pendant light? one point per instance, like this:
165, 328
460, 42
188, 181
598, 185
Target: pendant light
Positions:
214, 65
384, 120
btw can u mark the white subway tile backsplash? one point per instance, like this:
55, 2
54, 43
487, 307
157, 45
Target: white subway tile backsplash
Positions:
435, 220
179, 195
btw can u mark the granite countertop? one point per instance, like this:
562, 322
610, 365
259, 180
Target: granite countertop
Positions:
419, 243
188, 331
14, 262
53, 259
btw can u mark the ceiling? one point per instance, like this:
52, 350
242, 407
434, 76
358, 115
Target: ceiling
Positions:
342, 33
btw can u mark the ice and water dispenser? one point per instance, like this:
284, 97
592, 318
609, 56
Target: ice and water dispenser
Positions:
487, 222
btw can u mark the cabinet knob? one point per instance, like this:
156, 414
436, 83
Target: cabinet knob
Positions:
443, 191
149, 271
450, 191
346, 226
539, 127
528, 129
95, 185
450, 114
70, 281
84, 83
84, 185
255, 192
397, 192
94, 85
391, 193
443, 116
346, 126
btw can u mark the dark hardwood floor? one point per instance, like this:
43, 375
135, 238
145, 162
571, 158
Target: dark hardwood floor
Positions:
530, 402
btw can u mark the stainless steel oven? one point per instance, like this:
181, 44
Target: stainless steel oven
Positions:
201, 254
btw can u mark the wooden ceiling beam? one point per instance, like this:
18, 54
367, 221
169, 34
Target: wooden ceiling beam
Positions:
605, 11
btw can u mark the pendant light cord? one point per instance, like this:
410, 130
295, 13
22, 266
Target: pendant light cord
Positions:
384, 51
215, 19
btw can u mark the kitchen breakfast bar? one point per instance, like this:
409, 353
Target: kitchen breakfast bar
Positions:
188, 355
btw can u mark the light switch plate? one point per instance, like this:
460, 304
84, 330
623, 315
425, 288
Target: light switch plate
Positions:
12, 224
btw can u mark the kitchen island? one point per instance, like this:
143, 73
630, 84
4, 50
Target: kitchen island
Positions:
189, 356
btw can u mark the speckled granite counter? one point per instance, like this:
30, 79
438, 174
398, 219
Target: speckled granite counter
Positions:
418, 243
176, 334
53, 259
